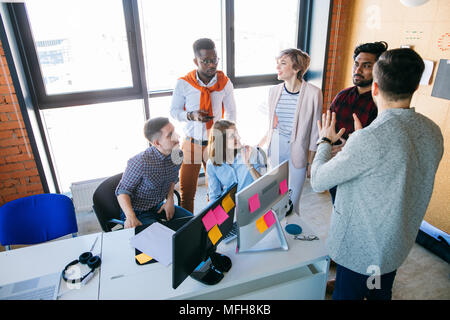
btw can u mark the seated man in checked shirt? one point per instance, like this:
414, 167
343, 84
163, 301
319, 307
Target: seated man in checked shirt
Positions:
145, 192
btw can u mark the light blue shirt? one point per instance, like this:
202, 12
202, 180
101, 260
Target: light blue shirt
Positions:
220, 178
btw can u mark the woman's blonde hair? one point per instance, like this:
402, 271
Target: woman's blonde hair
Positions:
217, 142
300, 60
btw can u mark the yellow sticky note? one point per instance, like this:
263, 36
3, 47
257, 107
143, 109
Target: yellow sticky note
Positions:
261, 224
214, 234
143, 258
227, 203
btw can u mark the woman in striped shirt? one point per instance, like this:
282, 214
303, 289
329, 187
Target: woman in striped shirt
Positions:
294, 108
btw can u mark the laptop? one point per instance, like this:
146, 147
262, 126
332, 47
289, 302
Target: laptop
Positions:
40, 288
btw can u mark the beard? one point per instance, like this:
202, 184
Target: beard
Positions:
362, 82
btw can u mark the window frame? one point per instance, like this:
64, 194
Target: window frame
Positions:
40, 100
26, 45
303, 42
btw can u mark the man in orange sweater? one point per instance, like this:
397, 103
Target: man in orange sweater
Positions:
200, 98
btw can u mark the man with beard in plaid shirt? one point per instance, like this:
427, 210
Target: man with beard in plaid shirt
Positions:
357, 99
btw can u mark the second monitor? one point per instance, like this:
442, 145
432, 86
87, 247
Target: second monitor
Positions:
259, 209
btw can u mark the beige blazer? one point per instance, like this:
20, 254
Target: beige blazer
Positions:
304, 131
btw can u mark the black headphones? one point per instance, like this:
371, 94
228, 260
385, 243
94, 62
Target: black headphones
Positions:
93, 262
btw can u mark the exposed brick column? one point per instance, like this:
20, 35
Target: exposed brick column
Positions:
18, 172
337, 42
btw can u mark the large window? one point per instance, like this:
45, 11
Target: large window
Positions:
80, 51
169, 30
94, 141
97, 69
258, 41
78, 55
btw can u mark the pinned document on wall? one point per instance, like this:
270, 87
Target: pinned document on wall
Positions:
209, 220
440, 87
426, 75
253, 203
228, 203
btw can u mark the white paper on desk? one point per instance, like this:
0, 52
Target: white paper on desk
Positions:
155, 241
426, 75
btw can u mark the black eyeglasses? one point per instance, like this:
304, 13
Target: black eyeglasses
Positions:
209, 61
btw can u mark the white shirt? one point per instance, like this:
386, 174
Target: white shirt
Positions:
285, 110
186, 96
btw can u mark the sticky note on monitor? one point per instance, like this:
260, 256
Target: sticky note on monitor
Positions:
220, 214
214, 234
269, 218
209, 220
261, 225
253, 203
227, 203
283, 186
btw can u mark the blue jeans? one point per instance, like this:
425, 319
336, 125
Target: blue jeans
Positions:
333, 194
152, 215
351, 285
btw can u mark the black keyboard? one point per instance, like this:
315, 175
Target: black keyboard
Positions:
232, 234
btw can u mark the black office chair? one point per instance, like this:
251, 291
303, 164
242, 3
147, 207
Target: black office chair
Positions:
106, 206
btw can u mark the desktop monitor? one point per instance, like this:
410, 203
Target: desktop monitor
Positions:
195, 243
259, 208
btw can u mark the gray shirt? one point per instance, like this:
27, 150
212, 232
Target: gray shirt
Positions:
385, 176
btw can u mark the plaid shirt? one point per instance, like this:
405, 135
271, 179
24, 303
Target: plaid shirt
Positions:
147, 178
349, 101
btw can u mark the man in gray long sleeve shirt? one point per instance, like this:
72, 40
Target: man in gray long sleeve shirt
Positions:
385, 174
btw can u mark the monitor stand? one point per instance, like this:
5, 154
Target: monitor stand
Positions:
211, 271
281, 242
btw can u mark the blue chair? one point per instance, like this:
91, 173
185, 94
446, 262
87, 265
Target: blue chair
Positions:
35, 219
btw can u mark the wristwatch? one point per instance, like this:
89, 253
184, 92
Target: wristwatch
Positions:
324, 139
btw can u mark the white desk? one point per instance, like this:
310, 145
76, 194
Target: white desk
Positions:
300, 273
50, 257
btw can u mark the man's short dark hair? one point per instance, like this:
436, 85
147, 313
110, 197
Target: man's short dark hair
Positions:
376, 48
203, 43
398, 73
152, 128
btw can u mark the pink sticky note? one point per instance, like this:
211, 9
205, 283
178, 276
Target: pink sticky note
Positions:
269, 218
283, 186
220, 214
209, 220
253, 203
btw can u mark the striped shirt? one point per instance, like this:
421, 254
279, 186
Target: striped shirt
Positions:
285, 112
147, 178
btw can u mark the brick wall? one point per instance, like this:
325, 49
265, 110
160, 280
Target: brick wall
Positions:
337, 43
18, 173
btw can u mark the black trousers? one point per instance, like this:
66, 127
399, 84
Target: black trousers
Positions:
351, 285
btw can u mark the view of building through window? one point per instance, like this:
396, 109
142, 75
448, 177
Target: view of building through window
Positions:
94, 141
258, 41
80, 50
168, 38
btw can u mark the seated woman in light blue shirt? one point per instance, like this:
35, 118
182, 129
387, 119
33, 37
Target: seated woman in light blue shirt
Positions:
229, 161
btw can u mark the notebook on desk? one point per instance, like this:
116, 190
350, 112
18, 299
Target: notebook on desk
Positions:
174, 224
39, 288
